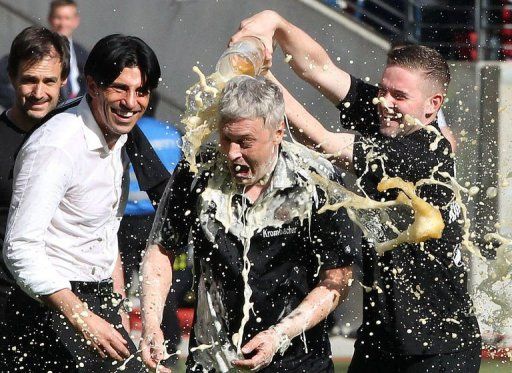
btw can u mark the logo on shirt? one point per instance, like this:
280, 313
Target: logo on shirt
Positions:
457, 256
454, 212
279, 232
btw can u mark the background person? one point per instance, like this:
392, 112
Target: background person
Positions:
64, 19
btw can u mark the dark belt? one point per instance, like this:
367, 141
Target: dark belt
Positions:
105, 287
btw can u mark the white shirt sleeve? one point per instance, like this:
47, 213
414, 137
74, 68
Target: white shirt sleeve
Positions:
42, 176
441, 119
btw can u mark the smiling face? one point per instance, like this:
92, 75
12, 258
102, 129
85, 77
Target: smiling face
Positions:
250, 148
405, 91
36, 87
119, 106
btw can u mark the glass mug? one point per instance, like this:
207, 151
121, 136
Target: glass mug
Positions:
245, 57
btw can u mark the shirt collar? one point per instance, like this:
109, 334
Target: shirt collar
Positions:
289, 171
94, 137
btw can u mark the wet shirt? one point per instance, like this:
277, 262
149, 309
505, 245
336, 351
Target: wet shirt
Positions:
285, 258
11, 139
418, 302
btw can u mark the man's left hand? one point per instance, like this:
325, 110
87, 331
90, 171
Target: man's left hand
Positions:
264, 346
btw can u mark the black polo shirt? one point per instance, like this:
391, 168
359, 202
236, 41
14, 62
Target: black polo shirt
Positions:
285, 262
419, 303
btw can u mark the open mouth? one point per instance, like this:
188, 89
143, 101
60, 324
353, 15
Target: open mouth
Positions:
391, 115
37, 103
124, 114
240, 170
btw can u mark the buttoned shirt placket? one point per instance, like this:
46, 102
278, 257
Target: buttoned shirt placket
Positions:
115, 160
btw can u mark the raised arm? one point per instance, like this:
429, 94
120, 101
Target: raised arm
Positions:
156, 282
309, 131
322, 300
309, 60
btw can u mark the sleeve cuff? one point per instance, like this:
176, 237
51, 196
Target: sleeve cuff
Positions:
351, 95
36, 290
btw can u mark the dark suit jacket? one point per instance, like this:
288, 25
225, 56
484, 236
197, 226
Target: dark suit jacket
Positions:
81, 56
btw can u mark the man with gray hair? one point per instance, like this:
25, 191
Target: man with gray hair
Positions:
268, 266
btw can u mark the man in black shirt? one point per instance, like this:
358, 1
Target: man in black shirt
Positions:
268, 266
38, 66
417, 312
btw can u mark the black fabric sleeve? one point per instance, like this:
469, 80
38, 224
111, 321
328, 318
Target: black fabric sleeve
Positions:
359, 155
151, 174
357, 112
332, 234
408, 157
411, 159
176, 212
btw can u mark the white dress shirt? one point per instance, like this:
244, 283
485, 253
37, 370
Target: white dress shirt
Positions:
68, 199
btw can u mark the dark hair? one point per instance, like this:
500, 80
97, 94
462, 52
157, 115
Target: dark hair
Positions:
33, 44
58, 3
424, 59
113, 53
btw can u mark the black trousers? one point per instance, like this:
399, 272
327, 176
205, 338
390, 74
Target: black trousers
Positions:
364, 361
38, 339
5, 291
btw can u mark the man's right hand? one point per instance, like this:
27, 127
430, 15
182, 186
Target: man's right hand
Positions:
263, 26
153, 349
101, 335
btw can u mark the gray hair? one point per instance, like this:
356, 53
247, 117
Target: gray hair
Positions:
245, 97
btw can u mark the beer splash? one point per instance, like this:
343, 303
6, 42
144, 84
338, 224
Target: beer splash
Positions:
426, 222
493, 295
201, 121
202, 99
201, 115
